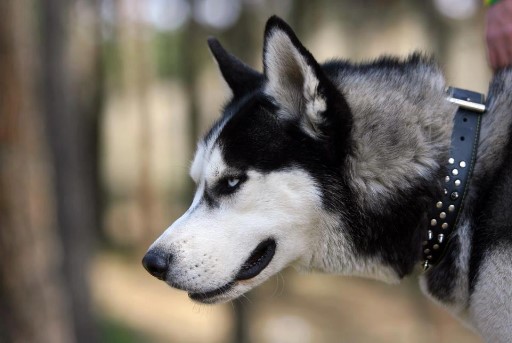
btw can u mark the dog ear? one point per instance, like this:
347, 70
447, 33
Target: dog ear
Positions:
241, 78
296, 81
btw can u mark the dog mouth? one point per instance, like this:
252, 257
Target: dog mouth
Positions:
253, 266
205, 296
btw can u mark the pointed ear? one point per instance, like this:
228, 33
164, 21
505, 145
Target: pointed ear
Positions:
296, 81
241, 78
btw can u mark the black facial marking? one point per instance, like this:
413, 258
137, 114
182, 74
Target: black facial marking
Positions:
255, 137
209, 199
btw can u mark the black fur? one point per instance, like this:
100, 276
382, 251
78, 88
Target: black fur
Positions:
441, 279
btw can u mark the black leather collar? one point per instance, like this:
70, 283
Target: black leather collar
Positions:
444, 216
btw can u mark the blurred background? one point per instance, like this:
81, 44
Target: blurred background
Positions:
101, 102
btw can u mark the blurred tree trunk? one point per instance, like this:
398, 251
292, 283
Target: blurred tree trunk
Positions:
439, 29
33, 299
88, 84
141, 83
306, 14
191, 69
71, 132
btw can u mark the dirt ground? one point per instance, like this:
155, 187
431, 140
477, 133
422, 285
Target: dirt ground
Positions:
290, 307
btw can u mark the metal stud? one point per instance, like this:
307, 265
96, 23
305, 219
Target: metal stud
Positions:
451, 160
462, 164
455, 172
451, 208
433, 222
426, 265
425, 243
439, 204
436, 246
429, 234
444, 226
442, 215
429, 257
445, 191
447, 179
440, 238
454, 195
457, 182
426, 251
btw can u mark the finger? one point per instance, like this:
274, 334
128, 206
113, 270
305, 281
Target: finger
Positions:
498, 53
503, 54
508, 47
492, 54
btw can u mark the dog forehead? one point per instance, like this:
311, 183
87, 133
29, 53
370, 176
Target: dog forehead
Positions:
208, 163
208, 152
215, 164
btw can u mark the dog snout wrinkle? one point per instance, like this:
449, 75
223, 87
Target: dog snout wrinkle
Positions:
156, 264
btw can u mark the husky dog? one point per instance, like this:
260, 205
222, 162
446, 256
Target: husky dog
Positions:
333, 167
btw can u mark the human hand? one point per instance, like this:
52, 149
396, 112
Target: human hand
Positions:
498, 34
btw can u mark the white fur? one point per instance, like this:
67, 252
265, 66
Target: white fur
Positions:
197, 164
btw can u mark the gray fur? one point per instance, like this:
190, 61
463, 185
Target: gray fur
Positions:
490, 308
402, 124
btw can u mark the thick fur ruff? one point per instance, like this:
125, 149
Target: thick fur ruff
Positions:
333, 167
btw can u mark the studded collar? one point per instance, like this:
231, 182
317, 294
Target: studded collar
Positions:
445, 213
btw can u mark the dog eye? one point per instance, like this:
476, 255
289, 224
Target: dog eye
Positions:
233, 181
229, 184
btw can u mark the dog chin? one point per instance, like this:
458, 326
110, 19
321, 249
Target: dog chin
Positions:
221, 295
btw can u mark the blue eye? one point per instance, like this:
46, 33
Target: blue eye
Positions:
233, 181
230, 184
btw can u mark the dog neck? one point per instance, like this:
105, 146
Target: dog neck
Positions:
402, 128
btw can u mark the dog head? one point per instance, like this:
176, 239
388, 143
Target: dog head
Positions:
276, 186
257, 207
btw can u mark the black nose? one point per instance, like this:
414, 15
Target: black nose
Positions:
156, 264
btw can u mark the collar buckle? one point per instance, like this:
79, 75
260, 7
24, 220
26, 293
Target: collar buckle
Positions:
467, 100
468, 105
